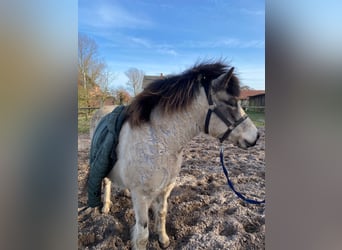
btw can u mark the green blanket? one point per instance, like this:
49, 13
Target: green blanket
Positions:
103, 152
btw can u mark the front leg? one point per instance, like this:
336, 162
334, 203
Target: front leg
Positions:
140, 232
160, 212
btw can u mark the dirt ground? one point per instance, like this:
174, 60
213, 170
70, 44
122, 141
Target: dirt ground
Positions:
203, 213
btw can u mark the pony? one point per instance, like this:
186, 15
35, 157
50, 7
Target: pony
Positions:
160, 121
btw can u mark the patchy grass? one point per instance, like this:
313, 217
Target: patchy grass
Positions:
257, 117
83, 124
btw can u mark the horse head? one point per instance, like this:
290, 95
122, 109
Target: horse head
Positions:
229, 121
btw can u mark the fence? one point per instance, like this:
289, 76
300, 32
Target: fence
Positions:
86, 111
260, 109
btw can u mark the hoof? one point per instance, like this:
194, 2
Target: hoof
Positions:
126, 193
106, 207
164, 245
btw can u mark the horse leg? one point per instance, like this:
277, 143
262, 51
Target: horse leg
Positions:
106, 199
160, 212
140, 232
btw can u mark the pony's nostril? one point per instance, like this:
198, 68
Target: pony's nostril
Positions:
258, 136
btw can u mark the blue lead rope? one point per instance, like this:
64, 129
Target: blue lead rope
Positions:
225, 171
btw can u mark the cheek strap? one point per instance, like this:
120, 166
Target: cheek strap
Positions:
213, 108
232, 127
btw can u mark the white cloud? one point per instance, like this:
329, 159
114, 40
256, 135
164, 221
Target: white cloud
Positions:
225, 43
259, 44
168, 52
253, 12
111, 15
160, 48
140, 41
229, 42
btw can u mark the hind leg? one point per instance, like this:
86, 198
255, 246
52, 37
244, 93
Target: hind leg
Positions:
106, 197
160, 212
140, 232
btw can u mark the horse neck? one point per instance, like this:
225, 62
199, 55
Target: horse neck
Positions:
180, 127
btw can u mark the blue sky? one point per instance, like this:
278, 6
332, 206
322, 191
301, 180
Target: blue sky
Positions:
170, 36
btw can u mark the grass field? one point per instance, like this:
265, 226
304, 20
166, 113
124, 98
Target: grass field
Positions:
257, 117
83, 123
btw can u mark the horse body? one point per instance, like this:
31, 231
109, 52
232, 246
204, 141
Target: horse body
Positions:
153, 151
151, 163
150, 153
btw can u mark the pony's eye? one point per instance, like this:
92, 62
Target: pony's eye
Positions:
231, 102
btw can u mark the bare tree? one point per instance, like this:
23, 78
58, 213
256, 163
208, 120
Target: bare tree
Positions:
105, 81
245, 87
135, 77
90, 67
121, 96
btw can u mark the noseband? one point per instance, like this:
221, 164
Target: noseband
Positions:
213, 108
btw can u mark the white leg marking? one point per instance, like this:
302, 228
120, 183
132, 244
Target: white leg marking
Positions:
106, 199
160, 212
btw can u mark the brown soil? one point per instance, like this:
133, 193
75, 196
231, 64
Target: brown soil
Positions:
203, 212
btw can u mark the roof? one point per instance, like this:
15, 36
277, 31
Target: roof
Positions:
258, 95
148, 79
246, 93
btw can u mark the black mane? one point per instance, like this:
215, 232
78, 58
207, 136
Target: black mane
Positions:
173, 93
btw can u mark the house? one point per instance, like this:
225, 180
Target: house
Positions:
257, 100
252, 99
148, 79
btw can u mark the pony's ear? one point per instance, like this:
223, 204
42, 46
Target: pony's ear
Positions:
223, 80
229, 75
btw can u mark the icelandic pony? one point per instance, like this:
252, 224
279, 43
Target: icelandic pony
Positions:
166, 115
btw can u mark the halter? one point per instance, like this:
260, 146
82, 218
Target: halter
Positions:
213, 108
231, 127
